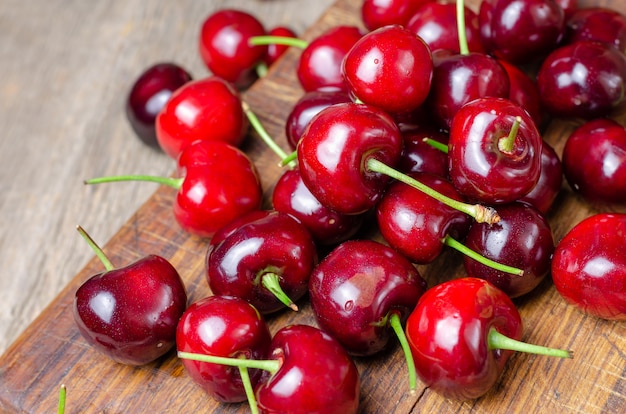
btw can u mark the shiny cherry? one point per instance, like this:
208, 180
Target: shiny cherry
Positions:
224, 326
420, 156
224, 47
390, 68
262, 261
204, 109
589, 266
597, 23
494, 151
376, 13
584, 79
523, 90
149, 93
544, 193
594, 161
130, 313
522, 239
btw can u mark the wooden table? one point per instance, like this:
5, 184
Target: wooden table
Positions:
63, 84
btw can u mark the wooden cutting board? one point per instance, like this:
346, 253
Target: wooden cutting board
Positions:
51, 352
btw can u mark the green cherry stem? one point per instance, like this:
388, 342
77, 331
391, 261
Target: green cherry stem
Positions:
62, 397
436, 144
247, 386
271, 282
480, 213
460, 22
506, 144
270, 365
264, 135
278, 40
169, 181
496, 340
450, 241
97, 249
396, 325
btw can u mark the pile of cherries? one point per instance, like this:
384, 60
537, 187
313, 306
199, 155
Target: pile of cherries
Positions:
424, 127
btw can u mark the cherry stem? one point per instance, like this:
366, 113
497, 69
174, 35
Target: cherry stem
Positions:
97, 249
261, 69
270, 365
450, 241
278, 40
436, 144
62, 397
496, 340
506, 144
396, 325
460, 22
271, 282
247, 386
480, 213
262, 132
169, 181
289, 159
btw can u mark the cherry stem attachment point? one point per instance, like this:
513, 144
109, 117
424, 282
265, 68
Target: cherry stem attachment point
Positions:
496, 340
436, 144
169, 181
480, 213
396, 325
270, 365
451, 242
460, 22
506, 144
278, 40
97, 249
271, 282
262, 132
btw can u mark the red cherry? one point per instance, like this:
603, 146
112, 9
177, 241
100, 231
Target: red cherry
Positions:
224, 45
523, 90
389, 68
130, 313
589, 266
599, 24
275, 51
376, 14
205, 109
227, 327
548, 186
149, 94
419, 156
494, 151
594, 161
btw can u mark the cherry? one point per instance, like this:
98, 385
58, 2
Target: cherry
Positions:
149, 93
522, 30
523, 90
266, 261
275, 51
494, 151
204, 109
415, 224
206, 199
130, 313
436, 23
362, 292
584, 79
376, 14
522, 239
594, 161
420, 156
599, 24
389, 68
306, 107
224, 326
589, 266
224, 46
548, 186
327, 227
308, 372
461, 333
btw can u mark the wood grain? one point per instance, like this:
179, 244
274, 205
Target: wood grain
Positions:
51, 352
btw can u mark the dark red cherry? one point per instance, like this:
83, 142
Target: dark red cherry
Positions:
148, 95
223, 326
390, 68
416, 224
224, 46
307, 106
522, 239
334, 151
274, 252
291, 196
589, 266
523, 90
584, 79
494, 151
597, 23
522, 30
419, 156
376, 13
594, 161
275, 51
548, 186
436, 23
319, 66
